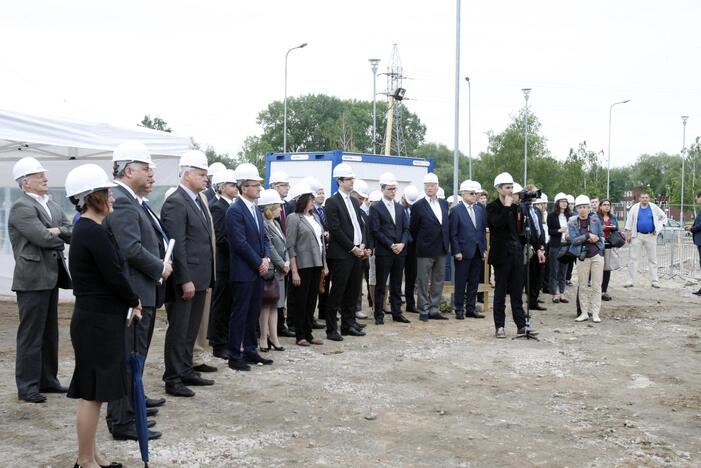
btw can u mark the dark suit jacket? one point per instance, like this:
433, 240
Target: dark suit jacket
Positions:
341, 227
192, 255
386, 232
696, 229
39, 260
465, 237
504, 239
537, 240
248, 244
430, 237
218, 208
138, 242
210, 194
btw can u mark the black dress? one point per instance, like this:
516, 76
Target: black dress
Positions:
103, 297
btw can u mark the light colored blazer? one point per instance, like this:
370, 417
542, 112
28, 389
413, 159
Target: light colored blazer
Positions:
39, 259
278, 245
302, 242
658, 216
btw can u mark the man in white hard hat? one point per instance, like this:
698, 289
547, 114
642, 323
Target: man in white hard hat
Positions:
224, 183
347, 239
429, 227
142, 240
390, 230
187, 221
409, 197
468, 225
215, 167
249, 260
38, 232
506, 254
280, 182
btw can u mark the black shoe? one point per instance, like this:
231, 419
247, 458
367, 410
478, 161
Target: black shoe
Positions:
474, 314
59, 389
197, 381
316, 325
437, 317
155, 402
257, 358
360, 326
537, 307
353, 332
111, 465
291, 330
273, 347
221, 354
698, 293
423, 317
334, 336
607, 297
33, 398
379, 321
151, 411
460, 315
400, 318
178, 390
239, 365
540, 301
130, 434
204, 368
150, 423
286, 333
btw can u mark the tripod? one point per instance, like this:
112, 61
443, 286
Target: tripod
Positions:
528, 335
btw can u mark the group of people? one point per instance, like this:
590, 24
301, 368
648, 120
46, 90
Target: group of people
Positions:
250, 265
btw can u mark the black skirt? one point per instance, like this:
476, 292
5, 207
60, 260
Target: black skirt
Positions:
100, 356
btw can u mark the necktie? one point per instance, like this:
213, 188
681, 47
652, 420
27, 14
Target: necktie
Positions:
408, 215
357, 233
390, 208
153, 218
198, 202
535, 222
253, 213
283, 219
471, 212
322, 216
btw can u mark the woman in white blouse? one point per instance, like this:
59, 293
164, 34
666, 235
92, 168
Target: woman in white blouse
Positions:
557, 228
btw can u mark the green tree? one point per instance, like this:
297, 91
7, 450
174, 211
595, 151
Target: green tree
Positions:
155, 123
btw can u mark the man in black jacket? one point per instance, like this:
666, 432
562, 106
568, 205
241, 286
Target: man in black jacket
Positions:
506, 254
345, 252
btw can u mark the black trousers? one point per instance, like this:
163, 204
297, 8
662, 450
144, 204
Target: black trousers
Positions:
391, 266
36, 363
303, 300
120, 414
509, 279
410, 277
535, 271
346, 277
605, 281
218, 332
184, 319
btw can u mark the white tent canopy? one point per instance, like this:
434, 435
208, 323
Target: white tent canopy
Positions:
60, 142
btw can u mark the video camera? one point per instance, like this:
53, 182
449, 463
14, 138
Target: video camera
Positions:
529, 196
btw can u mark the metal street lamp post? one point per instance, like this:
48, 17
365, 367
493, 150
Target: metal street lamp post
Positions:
456, 143
374, 63
608, 163
469, 127
526, 93
681, 213
284, 118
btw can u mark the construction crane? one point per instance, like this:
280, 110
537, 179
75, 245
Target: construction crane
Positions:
395, 95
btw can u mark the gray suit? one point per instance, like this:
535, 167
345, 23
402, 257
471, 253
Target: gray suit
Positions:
190, 226
40, 269
278, 255
302, 242
142, 246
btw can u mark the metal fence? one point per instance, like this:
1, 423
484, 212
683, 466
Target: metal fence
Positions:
677, 256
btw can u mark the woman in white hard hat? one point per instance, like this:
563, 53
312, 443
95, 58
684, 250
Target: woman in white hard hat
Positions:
587, 243
559, 235
269, 203
103, 297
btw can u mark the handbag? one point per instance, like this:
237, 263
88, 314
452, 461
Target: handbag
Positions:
271, 291
612, 261
564, 255
616, 240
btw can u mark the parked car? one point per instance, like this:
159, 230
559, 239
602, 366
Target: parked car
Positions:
671, 231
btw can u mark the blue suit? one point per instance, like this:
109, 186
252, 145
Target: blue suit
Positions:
430, 236
696, 232
469, 240
248, 245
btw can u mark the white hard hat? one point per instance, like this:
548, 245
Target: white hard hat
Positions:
560, 196
279, 177
215, 167
478, 187
194, 158
132, 151
430, 178
227, 175
517, 187
451, 199
246, 171
313, 183
470, 186
582, 200
387, 178
361, 187
169, 192
543, 198
343, 170
375, 196
269, 197
411, 194
570, 198
26, 166
441, 193
503, 178
299, 189
85, 179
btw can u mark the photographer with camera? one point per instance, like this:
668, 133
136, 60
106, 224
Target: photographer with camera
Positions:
536, 242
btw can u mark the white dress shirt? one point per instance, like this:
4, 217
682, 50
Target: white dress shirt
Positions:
43, 200
390, 207
357, 233
252, 207
471, 213
436, 207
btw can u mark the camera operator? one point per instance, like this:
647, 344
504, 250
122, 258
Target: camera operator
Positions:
536, 262
506, 254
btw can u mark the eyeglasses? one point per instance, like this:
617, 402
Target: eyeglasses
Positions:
391, 188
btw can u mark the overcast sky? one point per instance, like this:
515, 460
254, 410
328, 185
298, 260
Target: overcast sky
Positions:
209, 67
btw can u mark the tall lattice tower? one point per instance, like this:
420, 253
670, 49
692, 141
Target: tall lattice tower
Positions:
395, 94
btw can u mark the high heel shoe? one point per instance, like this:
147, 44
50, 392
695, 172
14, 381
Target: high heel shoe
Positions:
275, 348
111, 465
264, 350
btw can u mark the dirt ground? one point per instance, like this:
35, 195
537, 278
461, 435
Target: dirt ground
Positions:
625, 392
